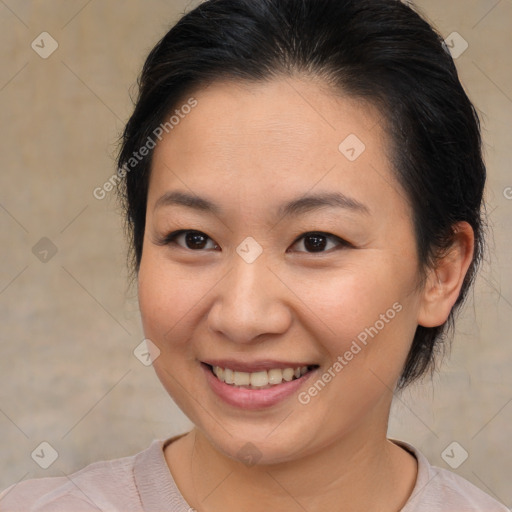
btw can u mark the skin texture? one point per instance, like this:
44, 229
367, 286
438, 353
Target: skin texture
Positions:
249, 148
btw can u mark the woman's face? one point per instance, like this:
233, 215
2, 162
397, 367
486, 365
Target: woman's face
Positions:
300, 253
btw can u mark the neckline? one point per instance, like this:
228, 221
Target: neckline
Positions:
422, 476
154, 480
157, 487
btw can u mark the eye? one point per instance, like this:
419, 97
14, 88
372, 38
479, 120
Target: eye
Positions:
313, 242
190, 239
319, 242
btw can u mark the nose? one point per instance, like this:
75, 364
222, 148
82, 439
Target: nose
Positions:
250, 303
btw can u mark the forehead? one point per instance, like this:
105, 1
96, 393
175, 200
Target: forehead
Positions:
285, 136
283, 114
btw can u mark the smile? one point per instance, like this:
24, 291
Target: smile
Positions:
256, 385
262, 379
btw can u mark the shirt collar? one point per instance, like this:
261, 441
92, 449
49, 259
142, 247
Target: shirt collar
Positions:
154, 481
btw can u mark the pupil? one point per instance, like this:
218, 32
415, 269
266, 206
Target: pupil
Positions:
315, 243
195, 240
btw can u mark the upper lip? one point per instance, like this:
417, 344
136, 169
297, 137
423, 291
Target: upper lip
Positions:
255, 366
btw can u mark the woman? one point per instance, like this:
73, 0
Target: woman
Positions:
303, 186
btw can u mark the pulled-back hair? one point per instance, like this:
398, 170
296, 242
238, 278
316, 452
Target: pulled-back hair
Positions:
381, 51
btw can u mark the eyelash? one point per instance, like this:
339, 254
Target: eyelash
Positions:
171, 239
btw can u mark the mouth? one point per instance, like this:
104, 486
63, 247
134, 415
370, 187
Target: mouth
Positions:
260, 379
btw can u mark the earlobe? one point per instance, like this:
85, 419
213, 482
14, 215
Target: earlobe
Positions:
443, 283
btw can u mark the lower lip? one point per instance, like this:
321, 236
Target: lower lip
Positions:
253, 398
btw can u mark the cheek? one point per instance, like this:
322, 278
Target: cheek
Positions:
168, 298
167, 302
365, 313
349, 300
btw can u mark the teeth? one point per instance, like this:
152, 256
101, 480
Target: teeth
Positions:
276, 376
287, 374
242, 379
259, 379
228, 376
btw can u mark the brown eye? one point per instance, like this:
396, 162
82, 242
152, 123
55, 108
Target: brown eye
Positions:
190, 239
319, 242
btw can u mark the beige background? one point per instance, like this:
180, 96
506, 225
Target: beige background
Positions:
69, 325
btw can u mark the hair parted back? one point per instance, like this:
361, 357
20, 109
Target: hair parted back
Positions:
380, 51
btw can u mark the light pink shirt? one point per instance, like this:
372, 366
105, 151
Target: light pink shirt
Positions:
143, 483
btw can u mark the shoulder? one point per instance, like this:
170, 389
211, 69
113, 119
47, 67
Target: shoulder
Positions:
103, 485
440, 490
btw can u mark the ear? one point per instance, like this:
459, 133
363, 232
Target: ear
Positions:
444, 282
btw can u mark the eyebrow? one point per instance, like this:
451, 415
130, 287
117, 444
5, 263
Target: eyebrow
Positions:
294, 207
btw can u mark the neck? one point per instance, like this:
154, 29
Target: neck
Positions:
363, 471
